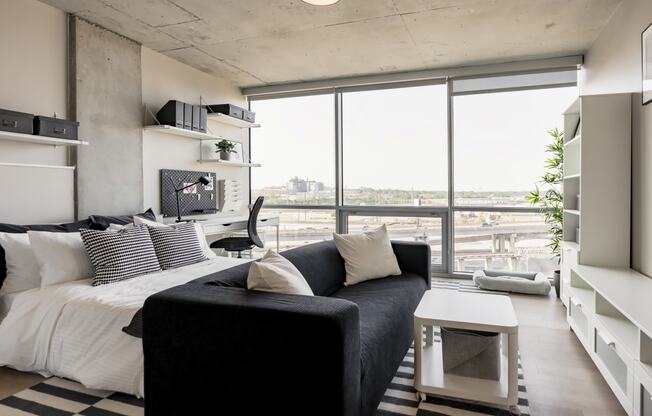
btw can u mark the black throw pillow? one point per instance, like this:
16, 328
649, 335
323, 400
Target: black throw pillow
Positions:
70, 227
101, 222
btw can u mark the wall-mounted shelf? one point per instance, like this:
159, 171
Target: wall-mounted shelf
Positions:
176, 131
230, 163
32, 138
232, 121
32, 165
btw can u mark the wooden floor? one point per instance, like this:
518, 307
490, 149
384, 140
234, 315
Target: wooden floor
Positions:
560, 377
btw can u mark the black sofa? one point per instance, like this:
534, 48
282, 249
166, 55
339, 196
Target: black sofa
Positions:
213, 347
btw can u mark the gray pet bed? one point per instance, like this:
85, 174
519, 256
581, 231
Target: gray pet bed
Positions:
529, 283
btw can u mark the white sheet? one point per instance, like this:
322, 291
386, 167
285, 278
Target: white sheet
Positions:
74, 330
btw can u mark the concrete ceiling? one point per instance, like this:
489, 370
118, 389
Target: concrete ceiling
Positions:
263, 42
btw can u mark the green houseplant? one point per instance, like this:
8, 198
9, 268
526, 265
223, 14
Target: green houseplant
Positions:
225, 148
549, 197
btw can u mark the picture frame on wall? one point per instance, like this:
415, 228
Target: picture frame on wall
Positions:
646, 59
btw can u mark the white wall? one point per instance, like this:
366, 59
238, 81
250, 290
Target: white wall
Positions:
166, 79
613, 65
33, 69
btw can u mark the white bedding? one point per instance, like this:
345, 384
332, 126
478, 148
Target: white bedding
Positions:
74, 330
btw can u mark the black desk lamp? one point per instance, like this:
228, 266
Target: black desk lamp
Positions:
202, 179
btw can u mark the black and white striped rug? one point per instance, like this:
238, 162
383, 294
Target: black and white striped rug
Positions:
60, 397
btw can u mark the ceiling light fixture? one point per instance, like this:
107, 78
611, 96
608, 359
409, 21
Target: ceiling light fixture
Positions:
320, 2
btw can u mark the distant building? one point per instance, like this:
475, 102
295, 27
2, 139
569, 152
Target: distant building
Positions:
298, 185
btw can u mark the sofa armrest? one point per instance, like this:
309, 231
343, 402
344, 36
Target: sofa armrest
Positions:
414, 256
243, 352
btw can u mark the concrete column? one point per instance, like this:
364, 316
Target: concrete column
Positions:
105, 97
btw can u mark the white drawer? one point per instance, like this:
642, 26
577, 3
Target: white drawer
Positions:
579, 319
615, 364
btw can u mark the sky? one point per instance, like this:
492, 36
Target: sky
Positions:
397, 138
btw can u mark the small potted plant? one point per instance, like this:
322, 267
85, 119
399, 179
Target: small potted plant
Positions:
225, 148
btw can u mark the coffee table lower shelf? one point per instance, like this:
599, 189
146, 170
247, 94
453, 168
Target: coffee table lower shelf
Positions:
433, 380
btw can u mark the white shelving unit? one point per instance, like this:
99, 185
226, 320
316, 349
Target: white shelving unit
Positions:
197, 135
232, 121
230, 163
32, 138
607, 302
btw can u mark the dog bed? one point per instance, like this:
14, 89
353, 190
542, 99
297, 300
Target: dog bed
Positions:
529, 283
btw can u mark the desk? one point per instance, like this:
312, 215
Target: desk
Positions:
225, 225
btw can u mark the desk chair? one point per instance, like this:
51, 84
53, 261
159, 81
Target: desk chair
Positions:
240, 244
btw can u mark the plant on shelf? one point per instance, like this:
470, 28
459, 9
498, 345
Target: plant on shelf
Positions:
548, 194
225, 148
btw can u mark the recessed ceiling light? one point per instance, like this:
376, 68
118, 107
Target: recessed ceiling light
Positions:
320, 2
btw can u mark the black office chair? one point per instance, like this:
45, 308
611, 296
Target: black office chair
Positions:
240, 244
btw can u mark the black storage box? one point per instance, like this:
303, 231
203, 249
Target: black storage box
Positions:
249, 116
16, 122
55, 127
199, 118
171, 114
228, 109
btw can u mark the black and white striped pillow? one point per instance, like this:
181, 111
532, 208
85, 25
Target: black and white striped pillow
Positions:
120, 255
176, 246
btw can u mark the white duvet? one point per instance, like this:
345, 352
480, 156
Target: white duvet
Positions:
74, 330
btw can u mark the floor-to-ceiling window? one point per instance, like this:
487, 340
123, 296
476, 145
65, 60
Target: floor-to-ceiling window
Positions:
449, 163
500, 137
297, 178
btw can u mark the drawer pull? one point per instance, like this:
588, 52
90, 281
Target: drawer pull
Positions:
59, 130
10, 123
226, 225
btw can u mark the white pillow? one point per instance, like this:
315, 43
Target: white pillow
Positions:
61, 257
206, 248
274, 273
367, 256
22, 269
118, 227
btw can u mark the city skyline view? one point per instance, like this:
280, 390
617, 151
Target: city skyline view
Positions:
395, 154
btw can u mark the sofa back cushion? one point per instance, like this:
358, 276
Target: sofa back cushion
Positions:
321, 265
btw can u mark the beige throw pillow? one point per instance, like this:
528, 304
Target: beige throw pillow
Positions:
367, 256
274, 273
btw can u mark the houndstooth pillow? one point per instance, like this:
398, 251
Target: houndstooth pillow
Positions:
120, 255
176, 246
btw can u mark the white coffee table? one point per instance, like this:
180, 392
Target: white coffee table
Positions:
464, 310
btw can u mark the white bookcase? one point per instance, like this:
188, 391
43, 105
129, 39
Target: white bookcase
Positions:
607, 302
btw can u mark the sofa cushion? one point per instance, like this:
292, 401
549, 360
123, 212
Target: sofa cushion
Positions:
321, 265
386, 328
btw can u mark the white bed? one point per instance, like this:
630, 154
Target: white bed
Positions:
74, 330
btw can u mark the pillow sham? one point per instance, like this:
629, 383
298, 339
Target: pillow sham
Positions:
274, 273
15, 228
61, 257
121, 255
367, 256
206, 248
176, 246
102, 222
22, 269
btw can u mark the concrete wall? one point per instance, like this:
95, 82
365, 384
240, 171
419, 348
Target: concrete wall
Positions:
33, 80
613, 65
166, 79
105, 82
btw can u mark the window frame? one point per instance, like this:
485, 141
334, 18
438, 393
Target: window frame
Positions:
447, 213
